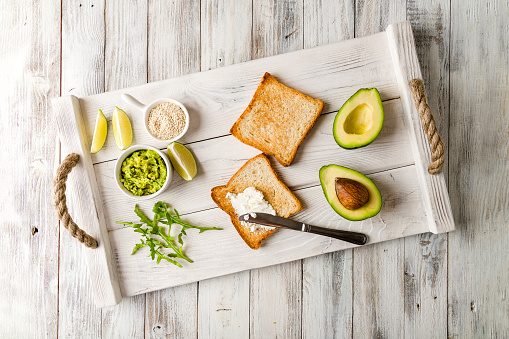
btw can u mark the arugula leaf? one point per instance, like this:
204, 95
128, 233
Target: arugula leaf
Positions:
138, 246
151, 232
143, 217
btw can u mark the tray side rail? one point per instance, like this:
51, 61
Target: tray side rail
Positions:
434, 188
84, 201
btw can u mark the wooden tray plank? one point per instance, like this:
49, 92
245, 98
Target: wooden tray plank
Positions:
216, 98
84, 201
434, 188
216, 165
223, 252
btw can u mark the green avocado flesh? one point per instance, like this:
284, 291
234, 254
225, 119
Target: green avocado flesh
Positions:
359, 120
143, 172
328, 175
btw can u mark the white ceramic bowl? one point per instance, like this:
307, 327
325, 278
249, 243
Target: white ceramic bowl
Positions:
129, 151
146, 111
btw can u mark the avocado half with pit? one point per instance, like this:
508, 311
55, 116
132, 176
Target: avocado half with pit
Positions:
350, 193
360, 119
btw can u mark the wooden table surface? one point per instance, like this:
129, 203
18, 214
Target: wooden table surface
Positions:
429, 286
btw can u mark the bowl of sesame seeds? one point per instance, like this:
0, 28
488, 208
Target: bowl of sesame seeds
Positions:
165, 119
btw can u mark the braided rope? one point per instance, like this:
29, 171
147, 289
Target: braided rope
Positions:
429, 126
59, 201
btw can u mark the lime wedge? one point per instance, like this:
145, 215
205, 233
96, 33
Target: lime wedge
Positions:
100, 133
182, 160
122, 130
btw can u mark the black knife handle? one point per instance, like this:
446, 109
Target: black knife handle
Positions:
351, 237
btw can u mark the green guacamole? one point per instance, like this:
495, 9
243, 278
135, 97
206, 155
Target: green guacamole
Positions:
143, 172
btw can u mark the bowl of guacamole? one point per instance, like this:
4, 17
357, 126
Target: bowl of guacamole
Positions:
143, 172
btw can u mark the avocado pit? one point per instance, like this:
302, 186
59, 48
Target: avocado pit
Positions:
351, 194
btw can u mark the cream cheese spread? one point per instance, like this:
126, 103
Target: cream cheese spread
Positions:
250, 201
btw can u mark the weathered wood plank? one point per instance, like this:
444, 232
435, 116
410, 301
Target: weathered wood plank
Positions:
125, 320
173, 50
276, 291
328, 296
390, 150
275, 301
216, 98
82, 74
223, 302
225, 33
327, 293
399, 190
425, 275
126, 65
30, 73
378, 270
479, 171
223, 306
426, 254
378, 291
171, 313
126, 44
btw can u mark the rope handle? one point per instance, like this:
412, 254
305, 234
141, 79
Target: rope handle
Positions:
429, 126
59, 201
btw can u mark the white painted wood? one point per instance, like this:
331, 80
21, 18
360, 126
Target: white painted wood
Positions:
173, 41
126, 48
223, 306
225, 33
216, 98
327, 295
478, 65
125, 320
328, 21
434, 188
479, 170
223, 302
426, 254
275, 292
85, 203
172, 313
173, 50
327, 291
376, 301
275, 301
378, 291
390, 150
425, 277
29, 76
82, 73
401, 215
125, 65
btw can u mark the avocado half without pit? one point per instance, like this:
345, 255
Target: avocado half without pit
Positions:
350, 193
360, 119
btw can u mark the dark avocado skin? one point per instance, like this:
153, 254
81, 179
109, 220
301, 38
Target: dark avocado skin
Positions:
327, 180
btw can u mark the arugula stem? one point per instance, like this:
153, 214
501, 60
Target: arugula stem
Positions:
173, 247
161, 214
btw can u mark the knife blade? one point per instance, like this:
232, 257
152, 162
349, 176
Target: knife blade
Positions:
275, 221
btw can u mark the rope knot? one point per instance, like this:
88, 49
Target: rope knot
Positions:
429, 126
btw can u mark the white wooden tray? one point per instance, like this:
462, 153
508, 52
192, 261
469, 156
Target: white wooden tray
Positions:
413, 200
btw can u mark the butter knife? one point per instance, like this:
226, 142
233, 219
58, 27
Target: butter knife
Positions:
275, 221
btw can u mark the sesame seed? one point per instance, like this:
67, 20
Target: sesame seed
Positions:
166, 121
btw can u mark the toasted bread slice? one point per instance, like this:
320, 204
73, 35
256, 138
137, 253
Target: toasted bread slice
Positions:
258, 173
277, 119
